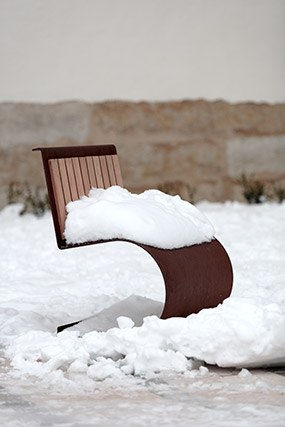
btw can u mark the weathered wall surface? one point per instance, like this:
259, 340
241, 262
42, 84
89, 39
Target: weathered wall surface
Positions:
206, 145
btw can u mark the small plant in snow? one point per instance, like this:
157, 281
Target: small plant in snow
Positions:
14, 193
32, 199
279, 192
253, 189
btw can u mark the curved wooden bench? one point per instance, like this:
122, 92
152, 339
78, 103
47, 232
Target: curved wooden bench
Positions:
195, 277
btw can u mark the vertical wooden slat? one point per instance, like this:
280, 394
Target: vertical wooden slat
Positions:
78, 176
104, 169
85, 176
71, 179
58, 193
64, 181
98, 172
91, 172
117, 170
111, 171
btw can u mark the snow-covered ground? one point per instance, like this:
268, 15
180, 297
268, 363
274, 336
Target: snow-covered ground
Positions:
159, 372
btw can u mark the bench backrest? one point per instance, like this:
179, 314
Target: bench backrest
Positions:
71, 172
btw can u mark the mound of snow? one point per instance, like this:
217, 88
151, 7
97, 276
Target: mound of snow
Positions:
153, 218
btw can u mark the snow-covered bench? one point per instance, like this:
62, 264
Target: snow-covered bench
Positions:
196, 277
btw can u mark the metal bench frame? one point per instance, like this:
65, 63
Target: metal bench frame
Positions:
195, 277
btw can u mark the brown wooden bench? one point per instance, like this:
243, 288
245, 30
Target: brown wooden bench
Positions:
195, 277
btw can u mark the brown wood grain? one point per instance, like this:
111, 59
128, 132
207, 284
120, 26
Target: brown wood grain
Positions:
64, 180
91, 172
98, 172
111, 170
117, 170
58, 193
104, 169
71, 179
78, 176
85, 175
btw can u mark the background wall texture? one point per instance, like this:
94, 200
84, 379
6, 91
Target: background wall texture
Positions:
206, 145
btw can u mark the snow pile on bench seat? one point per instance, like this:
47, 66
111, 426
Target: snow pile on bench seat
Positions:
153, 218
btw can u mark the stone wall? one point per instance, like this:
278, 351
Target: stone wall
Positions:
206, 145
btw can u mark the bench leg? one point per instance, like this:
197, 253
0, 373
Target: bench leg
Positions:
195, 277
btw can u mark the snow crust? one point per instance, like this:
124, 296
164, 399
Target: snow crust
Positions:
153, 218
42, 287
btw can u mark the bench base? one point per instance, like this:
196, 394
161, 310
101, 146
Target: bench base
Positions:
195, 277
